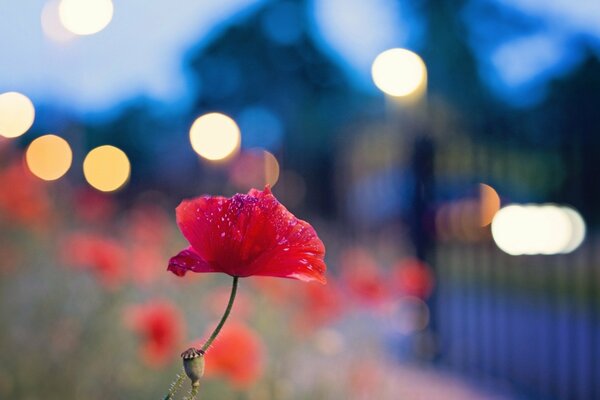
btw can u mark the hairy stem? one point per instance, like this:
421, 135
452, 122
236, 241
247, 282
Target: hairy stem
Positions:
193, 393
175, 385
214, 334
179, 378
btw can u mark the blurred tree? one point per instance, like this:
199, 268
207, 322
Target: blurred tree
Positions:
269, 60
451, 65
570, 112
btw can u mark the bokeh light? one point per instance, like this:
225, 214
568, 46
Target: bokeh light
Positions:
49, 157
106, 168
51, 24
578, 229
16, 114
537, 229
489, 203
215, 136
254, 169
85, 17
399, 72
409, 315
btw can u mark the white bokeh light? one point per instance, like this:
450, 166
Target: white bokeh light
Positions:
578, 230
215, 136
17, 114
85, 17
399, 72
537, 229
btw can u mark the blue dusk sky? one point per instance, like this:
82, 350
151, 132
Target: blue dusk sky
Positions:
140, 53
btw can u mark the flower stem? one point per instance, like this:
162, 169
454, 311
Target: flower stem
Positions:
214, 334
193, 394
175, 386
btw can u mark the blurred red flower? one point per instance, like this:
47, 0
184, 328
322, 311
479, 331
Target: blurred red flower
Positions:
103, 256
93, 207
318, 306
245, 235
160, 327
363, 278
148, 224
412, 277
144, 263
147, 229
23, 198
236, 355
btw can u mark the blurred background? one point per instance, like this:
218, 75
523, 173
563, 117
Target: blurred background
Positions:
445, 152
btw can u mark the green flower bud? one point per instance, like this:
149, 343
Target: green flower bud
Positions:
193, 364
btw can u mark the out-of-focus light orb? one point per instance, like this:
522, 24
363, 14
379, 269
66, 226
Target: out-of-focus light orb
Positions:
49, 157
510, 229
578, 230
552, 229
215, 136
106, 168
399, 72
16, 114
409, 315
51, 24
537, 229
85, 17
489, 203
254, 168
271, 168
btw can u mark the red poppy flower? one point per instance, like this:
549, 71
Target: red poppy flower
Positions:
160, 327
245, 235
236, 355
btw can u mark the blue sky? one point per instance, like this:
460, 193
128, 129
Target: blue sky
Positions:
140, 52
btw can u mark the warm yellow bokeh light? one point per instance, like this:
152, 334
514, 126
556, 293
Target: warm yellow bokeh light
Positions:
16, 114
51, 25
106, 168
489, 203
85, 17
49, 157
215, 136
399, 72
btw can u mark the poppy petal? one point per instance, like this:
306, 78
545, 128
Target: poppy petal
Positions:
189, 260
295, 250
249, 234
